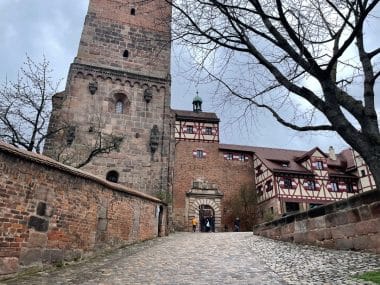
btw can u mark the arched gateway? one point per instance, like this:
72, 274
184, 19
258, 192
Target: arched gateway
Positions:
203, 202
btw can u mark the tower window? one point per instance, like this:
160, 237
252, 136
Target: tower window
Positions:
112, 176
119, 107
133, 11
126, 53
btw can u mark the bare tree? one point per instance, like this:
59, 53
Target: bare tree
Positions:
243, 205
309, 63
25, 106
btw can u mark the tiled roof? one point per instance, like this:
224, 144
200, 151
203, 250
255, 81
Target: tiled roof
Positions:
276, 158
196, 116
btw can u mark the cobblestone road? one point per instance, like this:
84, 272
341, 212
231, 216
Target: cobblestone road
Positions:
213, 258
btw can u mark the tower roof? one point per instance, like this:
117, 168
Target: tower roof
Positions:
194, 116
197, 99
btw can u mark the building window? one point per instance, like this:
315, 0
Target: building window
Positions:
189, 129
334, 186
133, 11
314, 205
269, 185
319, 165
229, 156
260, 190
119, 107
259, 171
292, 207
311, 185
199, 153
208, 131
242, 157
351, 187
288, 183
112, 176
362, 172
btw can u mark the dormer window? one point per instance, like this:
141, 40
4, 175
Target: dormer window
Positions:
319, 164
285, 164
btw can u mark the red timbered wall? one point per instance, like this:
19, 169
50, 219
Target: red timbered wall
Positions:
189, 130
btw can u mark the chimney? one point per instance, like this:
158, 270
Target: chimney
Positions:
332, 153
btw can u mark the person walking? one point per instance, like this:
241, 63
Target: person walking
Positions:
208, 225
194, 223
237, 225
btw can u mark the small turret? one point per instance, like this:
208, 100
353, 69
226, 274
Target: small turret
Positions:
197, 104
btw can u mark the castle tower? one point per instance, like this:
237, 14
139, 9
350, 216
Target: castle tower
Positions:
113, 119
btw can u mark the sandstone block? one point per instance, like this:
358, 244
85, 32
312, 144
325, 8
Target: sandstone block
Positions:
8, 265
29, 256
37, 239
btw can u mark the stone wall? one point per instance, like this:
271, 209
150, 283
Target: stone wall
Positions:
352, 224
51, 213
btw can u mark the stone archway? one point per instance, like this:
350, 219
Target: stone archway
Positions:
194, 205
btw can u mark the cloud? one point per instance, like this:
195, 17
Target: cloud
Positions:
53, 28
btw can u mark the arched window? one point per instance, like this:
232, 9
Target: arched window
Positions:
112, 176
119, 107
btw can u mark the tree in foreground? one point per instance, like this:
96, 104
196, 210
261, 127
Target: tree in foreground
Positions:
25, 108
310, 63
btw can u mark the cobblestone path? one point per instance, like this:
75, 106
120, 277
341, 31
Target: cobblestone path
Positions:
213, 258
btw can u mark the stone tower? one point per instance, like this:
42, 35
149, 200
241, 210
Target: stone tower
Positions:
113, 119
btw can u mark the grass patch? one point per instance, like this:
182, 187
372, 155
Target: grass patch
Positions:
373, 276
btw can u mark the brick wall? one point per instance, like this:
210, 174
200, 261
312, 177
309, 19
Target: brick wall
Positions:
352, 224
51, 213
228, 175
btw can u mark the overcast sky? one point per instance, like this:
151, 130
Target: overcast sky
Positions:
53, 27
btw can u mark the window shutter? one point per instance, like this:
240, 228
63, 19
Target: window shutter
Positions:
329, 187
281, 183
194, 153
294, 184
317, 186
204, 154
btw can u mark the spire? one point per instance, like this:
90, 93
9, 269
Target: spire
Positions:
197, 104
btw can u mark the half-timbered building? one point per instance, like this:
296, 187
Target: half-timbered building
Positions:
208, 174
288, 180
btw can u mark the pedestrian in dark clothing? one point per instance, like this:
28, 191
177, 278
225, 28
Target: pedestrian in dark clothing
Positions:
208, 225
237, 225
